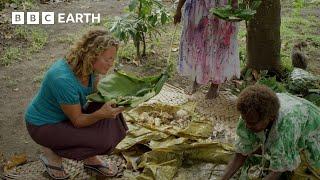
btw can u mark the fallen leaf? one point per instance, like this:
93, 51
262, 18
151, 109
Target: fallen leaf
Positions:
15, 161
136, 62
174, 49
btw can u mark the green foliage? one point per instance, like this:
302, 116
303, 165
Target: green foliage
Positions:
10, 54
314, 98
39, 39
245, 11
301, 81
272, 83
23, 4
298, 4
144, 18
36, 36
128, 90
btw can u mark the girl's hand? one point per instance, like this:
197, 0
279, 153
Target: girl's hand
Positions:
177, 17
108, 110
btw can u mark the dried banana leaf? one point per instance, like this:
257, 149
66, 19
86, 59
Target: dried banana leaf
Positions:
128, 90
139, 135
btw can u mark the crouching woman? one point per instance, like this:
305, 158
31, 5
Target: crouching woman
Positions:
284, 128
57, 119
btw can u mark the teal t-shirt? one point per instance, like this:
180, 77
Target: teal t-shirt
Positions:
59, 86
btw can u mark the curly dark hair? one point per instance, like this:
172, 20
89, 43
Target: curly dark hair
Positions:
258, 99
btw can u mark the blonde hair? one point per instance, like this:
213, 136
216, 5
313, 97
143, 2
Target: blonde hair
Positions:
84, 52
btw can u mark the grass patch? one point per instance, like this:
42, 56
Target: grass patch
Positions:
10, 55
127, 51
68, 39
37, 37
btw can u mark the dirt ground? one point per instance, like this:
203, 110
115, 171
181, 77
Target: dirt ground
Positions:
16, 96
17, 86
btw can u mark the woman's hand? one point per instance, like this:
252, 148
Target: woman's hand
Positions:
234, 4
109, 111
177, 17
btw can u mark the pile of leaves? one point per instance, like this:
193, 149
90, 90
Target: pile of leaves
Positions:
164, 151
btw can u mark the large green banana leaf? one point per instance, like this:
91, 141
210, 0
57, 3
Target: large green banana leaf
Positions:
244, 12
128, 90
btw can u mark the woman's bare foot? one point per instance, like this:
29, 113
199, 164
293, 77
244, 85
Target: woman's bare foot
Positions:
54, 160
195, 88
109, 169
213, 91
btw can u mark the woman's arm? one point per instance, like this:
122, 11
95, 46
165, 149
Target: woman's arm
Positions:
80, 120
177, 16
234, 166
273, 176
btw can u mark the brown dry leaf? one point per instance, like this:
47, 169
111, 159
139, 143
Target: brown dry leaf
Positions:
174, 49
15, 161
136, 62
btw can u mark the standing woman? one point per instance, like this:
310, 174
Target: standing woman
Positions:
208, 45
56, 118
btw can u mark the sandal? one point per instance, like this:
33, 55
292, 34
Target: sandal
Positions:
46, 164
97, 168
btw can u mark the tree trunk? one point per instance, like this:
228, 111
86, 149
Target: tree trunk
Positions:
137, 45
144, 45
263, 41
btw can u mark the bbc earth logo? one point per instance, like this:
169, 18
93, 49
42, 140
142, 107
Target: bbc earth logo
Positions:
52, 18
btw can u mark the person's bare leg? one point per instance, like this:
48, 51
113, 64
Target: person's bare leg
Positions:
195, 88
213, 91
256, 74
54, 160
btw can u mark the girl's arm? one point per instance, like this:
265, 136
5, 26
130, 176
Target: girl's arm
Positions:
273, 176
234, 166
177, 16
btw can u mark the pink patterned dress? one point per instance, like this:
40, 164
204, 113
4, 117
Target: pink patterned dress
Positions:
208, 47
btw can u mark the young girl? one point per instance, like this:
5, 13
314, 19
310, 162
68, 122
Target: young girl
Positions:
208, 46
280, 125
57, 119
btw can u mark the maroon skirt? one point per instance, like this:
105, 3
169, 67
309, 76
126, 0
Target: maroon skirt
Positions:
70, 142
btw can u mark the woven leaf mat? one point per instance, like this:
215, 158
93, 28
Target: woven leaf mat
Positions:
221, 111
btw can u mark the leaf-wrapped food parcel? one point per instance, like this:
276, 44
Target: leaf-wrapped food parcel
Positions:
128, 90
